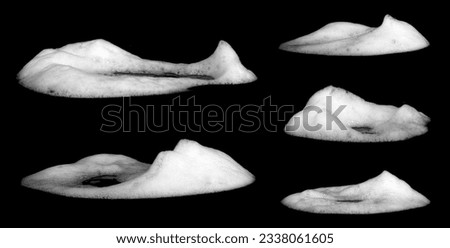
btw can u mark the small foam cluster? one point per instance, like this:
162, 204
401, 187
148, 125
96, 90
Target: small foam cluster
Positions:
384, 193
351, 39
336, 114
100, 69
187, 170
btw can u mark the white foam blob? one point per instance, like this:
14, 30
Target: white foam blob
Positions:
350, 39
352, 119
100, 69
384, 193
187, 170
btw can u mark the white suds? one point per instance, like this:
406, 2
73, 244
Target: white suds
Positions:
187, 170
384, 193
350, 39
350, 118
100, 69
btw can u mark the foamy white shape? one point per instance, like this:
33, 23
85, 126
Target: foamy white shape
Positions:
362, 121
384, 193
350, 39
100, 69
187, 170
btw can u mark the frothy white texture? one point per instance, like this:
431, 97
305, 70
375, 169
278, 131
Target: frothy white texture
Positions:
384, 193
363, 121
100, 69
187, 170
350, 39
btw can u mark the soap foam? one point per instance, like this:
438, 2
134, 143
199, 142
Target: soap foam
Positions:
187, 170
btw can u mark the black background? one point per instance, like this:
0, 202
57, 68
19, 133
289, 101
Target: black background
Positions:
44, 131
